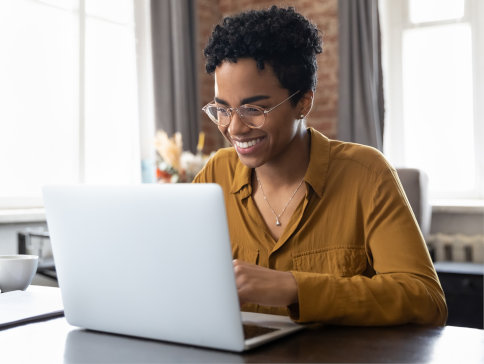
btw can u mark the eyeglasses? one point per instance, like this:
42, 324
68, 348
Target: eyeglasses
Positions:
251, 115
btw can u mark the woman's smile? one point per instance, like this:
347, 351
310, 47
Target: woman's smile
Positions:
247, 146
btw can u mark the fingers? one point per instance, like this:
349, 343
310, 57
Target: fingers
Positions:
243, 281
256, 284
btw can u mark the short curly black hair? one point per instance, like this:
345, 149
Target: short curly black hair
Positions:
281, 37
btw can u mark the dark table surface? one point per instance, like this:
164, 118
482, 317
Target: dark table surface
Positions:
55, 341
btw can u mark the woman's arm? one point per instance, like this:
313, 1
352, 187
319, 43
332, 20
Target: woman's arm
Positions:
405, 287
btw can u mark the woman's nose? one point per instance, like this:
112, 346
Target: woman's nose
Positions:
237, 126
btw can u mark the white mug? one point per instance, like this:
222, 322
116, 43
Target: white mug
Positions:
17, 271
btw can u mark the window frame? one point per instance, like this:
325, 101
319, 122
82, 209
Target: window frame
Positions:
141, 14
394, 15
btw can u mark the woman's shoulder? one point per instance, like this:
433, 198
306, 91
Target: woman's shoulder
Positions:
224, 157
359, 156
222, 163
228, 153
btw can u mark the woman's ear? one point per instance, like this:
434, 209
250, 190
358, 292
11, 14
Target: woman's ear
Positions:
305, 104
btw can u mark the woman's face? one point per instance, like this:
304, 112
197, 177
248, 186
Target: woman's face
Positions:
242, 83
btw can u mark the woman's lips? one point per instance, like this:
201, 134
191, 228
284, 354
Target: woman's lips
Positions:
247, 147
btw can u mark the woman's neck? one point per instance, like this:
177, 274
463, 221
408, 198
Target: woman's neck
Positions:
292, 165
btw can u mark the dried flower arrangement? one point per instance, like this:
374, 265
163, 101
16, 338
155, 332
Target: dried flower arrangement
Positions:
174, 164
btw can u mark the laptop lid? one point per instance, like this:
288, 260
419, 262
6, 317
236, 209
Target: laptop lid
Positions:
148, 260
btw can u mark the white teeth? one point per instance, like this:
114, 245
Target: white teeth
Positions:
244, 145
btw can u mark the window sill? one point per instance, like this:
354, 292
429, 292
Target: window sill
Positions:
458, 206
14, 216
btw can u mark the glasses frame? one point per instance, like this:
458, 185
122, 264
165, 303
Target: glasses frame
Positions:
231, 110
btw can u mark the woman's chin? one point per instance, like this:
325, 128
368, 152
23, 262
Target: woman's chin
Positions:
250, 161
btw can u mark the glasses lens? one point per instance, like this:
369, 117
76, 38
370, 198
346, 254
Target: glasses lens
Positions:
211, 112
217, 114
223, 116
252, 115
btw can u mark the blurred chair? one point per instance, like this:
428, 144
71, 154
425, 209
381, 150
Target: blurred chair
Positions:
415, 184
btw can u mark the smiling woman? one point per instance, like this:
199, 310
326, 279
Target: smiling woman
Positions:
320, 229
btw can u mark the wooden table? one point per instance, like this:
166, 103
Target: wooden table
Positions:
55, 341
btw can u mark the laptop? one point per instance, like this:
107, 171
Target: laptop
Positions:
152, 261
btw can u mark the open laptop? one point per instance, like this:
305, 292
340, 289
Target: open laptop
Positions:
152, 261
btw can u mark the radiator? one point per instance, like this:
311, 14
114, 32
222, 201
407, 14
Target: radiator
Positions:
457, 247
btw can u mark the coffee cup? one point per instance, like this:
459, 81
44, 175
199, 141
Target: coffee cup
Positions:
17, 271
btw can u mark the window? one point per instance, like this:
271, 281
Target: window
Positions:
433, 68
68, 96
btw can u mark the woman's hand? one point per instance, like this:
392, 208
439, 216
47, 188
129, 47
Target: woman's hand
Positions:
264, 286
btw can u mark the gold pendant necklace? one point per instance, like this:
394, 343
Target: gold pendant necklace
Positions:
278, 222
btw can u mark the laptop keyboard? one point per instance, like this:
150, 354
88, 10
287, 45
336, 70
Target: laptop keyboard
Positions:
251, 331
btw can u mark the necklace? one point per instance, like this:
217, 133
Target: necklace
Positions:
278, 222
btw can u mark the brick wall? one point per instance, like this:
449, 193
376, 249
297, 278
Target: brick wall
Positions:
323, 13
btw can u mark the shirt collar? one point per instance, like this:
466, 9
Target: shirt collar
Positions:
241, 182
315, 174
317, 171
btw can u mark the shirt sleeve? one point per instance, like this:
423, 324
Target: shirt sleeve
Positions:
405, 287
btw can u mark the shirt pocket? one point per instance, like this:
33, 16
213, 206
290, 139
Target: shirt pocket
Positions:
342, 262
245, 254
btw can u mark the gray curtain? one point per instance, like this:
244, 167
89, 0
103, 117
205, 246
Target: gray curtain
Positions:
173, 25
361, 107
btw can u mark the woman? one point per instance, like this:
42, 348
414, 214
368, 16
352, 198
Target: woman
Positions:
320, 229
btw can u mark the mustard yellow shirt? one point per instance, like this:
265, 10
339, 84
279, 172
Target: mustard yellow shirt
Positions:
353, 244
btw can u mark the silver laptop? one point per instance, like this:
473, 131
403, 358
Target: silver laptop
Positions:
152, 261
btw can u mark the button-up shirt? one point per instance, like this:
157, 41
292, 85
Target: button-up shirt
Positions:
352, 244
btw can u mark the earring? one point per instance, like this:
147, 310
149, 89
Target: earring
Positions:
301, 116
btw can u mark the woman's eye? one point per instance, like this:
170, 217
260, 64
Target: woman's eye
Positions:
222, 111
251, 110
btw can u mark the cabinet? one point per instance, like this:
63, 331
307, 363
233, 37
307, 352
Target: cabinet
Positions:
463, 287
